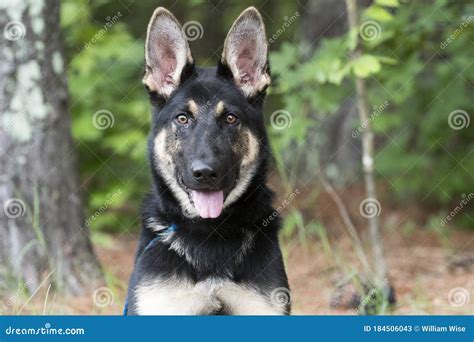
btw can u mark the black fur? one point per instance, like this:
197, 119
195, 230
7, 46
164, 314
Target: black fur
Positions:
215, 245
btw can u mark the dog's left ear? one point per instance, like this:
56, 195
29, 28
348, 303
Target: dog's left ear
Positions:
167, 54
245, 54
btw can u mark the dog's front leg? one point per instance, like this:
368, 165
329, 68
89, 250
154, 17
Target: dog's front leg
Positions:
172, 297
243, 300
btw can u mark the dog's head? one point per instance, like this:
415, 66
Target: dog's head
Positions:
208, 127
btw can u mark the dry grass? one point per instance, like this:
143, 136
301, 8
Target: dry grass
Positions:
418, 268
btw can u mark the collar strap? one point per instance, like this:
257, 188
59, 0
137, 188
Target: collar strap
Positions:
163, 233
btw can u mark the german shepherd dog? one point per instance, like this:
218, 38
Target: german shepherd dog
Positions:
204, 248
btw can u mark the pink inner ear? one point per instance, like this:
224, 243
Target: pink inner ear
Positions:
246, 63
167, 65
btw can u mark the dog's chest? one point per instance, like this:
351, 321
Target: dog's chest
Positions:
181, 297
213, 254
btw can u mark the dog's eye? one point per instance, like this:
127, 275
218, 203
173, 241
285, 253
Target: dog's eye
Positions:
231, 119
182, 119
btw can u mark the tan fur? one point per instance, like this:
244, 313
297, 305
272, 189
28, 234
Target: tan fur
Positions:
163, 152
183, 297
219, 108
193, 107
174, 297
249, 148
252, 149
242, 300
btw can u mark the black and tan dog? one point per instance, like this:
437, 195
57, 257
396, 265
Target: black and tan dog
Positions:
203, 247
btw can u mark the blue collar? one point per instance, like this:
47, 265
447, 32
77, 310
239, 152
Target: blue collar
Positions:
171, 229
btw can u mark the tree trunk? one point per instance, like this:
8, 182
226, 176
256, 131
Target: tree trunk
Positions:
326, 19
42, 226
368, 158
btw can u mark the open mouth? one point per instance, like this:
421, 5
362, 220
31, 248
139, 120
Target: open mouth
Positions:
208, 203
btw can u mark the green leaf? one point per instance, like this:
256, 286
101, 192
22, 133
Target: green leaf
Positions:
366, 65
337, 76
387, 3
387, 60
378, 13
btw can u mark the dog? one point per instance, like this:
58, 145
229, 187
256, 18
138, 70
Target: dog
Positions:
203, 248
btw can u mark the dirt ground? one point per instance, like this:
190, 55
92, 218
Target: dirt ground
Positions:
418, 269
419, 272
430, 270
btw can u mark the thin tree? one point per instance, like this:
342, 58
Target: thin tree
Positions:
42, 229
380, 267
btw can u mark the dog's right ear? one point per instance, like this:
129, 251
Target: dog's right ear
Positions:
168, 58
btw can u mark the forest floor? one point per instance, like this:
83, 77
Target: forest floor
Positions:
431, 271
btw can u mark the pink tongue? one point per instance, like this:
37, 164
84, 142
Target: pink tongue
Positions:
208, 203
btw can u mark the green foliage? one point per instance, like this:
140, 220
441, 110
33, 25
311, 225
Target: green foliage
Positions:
104, 75
412, 63
427, 86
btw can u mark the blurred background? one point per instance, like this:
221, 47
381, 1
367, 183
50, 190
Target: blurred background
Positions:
387, 82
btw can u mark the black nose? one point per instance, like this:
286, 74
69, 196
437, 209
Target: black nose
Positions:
205, 173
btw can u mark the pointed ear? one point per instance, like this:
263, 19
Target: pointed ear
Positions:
167, 53
245, 53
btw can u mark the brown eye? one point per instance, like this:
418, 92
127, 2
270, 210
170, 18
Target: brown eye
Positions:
182, 119
231, 119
